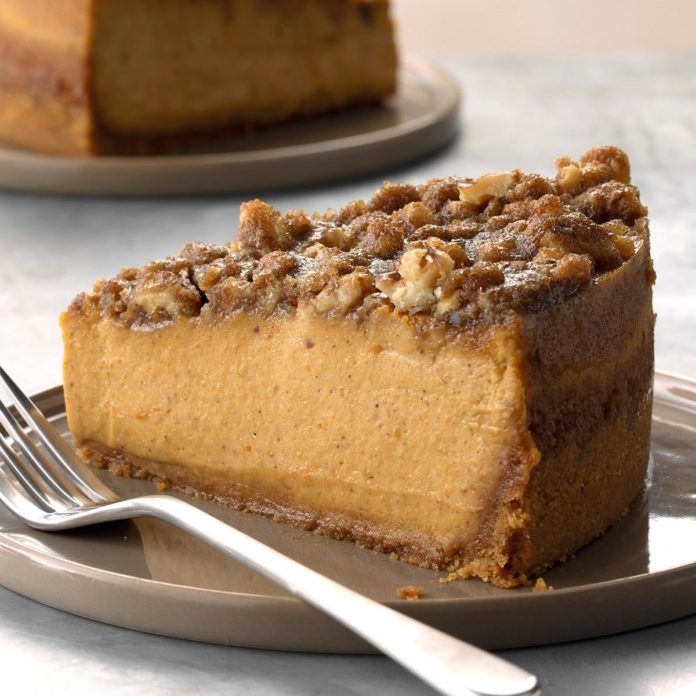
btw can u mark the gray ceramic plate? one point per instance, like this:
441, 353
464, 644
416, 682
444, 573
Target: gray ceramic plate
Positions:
148, 576
422, 117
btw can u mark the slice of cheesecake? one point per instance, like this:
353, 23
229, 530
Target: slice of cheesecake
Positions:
136, 75
458, 372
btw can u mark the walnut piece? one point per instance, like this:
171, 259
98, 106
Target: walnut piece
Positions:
418, 274
487, 187
160, 296
569, 176
347, 294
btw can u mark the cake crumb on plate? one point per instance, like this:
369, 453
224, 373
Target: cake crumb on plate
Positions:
409, 592
541, 586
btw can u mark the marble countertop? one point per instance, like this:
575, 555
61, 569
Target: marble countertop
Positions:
517, 112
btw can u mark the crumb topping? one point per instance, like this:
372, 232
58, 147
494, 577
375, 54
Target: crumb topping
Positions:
452, 250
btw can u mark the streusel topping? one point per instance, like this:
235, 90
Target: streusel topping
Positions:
453, 249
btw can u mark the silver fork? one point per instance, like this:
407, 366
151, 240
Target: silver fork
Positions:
59, 492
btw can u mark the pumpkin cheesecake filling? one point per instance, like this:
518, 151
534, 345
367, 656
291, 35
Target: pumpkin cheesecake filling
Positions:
459, 372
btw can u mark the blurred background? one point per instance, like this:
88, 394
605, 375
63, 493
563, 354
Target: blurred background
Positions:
543, 27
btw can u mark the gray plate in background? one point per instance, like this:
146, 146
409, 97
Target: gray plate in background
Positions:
422, 117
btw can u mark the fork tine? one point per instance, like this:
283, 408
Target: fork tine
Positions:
18, 500
33, 456
31, 486
68, 461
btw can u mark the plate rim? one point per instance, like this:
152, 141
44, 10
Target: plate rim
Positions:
438, 126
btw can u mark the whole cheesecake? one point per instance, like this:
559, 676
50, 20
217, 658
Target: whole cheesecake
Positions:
459, 372
91, 76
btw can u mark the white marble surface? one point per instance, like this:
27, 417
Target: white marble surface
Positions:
517, 112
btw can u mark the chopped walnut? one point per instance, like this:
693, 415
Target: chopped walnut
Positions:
613, 158
348, 293
173, 299
229, 295
574, 267
160, 293
448, 302
210, 274
268, 298
277, 264
414, 216
597, 166
610, 201
452, 249
569, 176
418, 273
321, 251
572, 232
624, 246
487, 187
459, 211
455, 251
268, 284
198, 253
341, 238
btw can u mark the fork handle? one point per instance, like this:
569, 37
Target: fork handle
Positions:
451, 666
